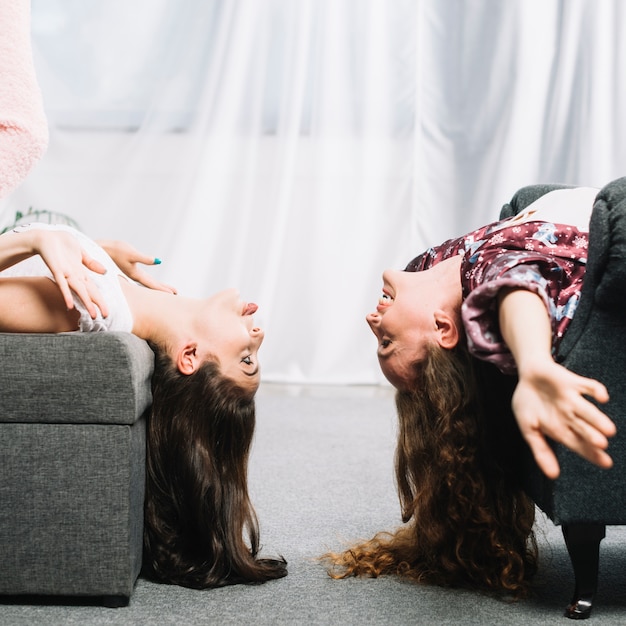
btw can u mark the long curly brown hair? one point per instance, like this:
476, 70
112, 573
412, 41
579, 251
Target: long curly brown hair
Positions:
467, 521
200, 527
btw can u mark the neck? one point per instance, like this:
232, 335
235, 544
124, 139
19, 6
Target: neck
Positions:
446, 281
159, 317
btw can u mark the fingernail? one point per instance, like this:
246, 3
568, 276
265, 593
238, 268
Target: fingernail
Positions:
157, 261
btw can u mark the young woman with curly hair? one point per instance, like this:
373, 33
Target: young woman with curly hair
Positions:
500, 296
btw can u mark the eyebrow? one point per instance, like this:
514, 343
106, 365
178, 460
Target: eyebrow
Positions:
254, 373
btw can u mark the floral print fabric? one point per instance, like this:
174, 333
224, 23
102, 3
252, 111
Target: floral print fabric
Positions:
547, 259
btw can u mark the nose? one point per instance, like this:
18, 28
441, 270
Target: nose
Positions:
258, 334
373, 319
392, 272
231, 292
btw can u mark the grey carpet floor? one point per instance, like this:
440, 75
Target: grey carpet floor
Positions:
321, 475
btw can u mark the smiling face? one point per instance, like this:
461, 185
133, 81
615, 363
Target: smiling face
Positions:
227, 331
416, 311
404, 324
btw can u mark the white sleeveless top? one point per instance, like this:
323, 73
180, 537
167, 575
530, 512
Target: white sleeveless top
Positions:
120, 317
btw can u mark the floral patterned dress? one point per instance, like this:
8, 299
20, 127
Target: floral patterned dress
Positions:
545, 258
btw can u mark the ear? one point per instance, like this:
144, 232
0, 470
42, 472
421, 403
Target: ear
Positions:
447, 332
187, 359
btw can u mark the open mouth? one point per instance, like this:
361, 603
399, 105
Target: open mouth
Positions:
249, 308
385, 299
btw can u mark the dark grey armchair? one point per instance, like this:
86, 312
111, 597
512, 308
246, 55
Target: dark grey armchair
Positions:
585, 499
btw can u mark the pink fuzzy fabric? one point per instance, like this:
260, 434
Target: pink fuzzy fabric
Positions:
23, 126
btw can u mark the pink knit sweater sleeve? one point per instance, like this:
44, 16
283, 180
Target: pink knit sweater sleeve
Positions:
23, 125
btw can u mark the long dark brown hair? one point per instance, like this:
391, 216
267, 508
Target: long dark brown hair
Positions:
466, 520
200, 528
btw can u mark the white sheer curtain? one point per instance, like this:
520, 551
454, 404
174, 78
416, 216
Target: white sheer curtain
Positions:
296, 148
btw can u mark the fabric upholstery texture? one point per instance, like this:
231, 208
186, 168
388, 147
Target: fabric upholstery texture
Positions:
91, 378
72, 462
592, 346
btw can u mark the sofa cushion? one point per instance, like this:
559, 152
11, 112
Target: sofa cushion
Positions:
105, 376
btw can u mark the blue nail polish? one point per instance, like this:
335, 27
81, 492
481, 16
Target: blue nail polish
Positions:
157, 261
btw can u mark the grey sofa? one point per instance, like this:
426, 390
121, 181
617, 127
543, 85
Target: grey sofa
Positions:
584, 499
72, 464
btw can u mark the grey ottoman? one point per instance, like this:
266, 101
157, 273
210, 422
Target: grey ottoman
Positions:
72, 463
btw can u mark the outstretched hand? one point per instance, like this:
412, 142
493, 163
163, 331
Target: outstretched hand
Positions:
70, 265
127, 258
549, 401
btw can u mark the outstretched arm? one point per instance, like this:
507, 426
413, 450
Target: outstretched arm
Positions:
549, 400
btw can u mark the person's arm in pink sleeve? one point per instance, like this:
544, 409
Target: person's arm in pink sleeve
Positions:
23, 124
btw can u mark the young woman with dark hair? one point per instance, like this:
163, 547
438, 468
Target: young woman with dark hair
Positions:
200, 527
503, 294
198, 513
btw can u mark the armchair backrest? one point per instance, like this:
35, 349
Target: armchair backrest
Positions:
593, 346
